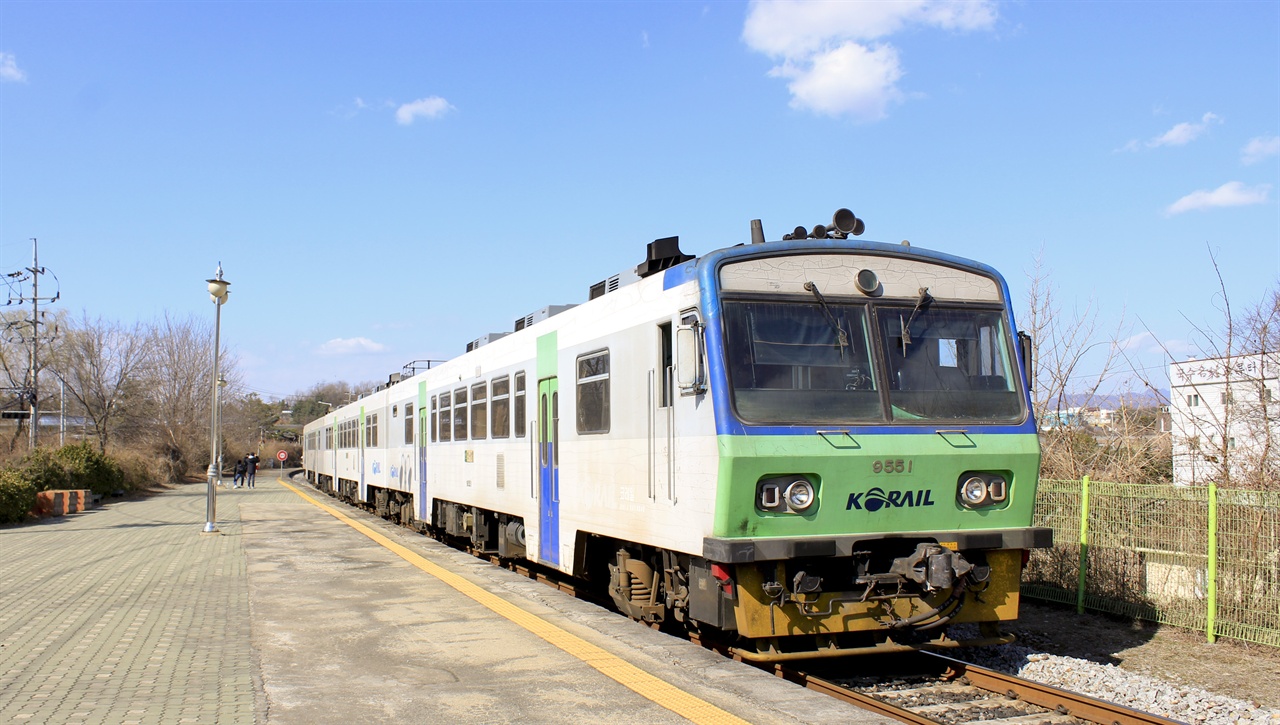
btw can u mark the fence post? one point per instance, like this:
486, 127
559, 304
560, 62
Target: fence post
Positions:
1211, 617
1084, 543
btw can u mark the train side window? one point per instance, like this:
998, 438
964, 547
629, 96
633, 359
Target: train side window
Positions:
500, 407
543, 440
664, 365
460, 414
593, 392
446, 417
519, 406
434, 437
371, 431
479, 412
408, 423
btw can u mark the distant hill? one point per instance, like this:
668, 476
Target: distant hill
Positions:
1138, 399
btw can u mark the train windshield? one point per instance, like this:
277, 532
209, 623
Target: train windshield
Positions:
793, 362
817, 363
949, 364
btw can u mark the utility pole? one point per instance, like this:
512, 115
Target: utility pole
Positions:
30, 390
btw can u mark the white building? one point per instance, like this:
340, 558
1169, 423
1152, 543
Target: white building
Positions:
1224, 419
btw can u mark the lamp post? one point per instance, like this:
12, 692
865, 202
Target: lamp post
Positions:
218, 293
222, 389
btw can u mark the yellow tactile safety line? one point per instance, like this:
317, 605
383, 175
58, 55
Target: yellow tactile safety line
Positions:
625, 673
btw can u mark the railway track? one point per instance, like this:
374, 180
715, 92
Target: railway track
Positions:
930, 688
919, 687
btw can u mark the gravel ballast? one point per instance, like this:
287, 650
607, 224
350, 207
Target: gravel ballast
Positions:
1112, 683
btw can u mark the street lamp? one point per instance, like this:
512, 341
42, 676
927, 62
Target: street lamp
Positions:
218, 293
222, 390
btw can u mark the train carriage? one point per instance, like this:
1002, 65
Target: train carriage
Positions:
817, 446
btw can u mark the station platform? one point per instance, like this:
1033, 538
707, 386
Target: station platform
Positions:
304, 610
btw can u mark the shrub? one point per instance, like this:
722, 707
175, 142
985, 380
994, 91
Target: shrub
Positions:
44, 470
87, 467
140, 470
17, 496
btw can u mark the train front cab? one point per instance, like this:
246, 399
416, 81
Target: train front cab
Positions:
878, 460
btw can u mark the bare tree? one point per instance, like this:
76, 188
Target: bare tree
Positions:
1225, 403
179, 388
1061, 392
246, 421
322, 397
102, 364
16, 335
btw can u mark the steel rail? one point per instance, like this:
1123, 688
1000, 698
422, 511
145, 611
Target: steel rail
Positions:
1050, 697
1053, 699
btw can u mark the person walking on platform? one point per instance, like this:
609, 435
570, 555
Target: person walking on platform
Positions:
251, 468
238, 479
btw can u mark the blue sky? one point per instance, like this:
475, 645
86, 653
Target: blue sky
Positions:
383, 182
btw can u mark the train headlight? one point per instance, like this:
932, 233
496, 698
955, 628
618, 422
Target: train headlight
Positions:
800, 495
979, 489
866, 281
973, 491
792, 494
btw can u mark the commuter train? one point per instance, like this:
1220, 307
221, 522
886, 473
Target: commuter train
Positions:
817, 446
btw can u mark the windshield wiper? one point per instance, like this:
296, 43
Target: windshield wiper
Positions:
924, 299
841, 338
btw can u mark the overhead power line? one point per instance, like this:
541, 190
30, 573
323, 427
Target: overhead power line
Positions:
29, 394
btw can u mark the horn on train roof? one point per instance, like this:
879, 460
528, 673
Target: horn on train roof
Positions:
843, 223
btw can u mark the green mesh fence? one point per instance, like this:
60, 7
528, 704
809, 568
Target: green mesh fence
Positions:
1163, 553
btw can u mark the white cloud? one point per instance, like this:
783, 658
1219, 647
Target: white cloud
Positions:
1184, 133
431, 107
9, 70
1232, 193
1137, 343
1259, 148
350, 110
851, 79
350, 346
826, 49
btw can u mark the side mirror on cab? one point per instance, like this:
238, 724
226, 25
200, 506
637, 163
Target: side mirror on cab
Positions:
690, 368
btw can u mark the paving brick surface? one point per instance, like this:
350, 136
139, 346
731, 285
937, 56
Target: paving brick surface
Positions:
129, 614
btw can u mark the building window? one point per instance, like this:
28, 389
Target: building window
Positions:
1226, 398
479, 412
593, 392
519, 406
460, 414
1266, 395
446, 417
408, 424
500, 407
1193, 401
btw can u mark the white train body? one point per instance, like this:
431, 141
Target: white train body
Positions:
648, 477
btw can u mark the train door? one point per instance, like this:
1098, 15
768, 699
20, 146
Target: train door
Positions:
424, 435
549, 471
